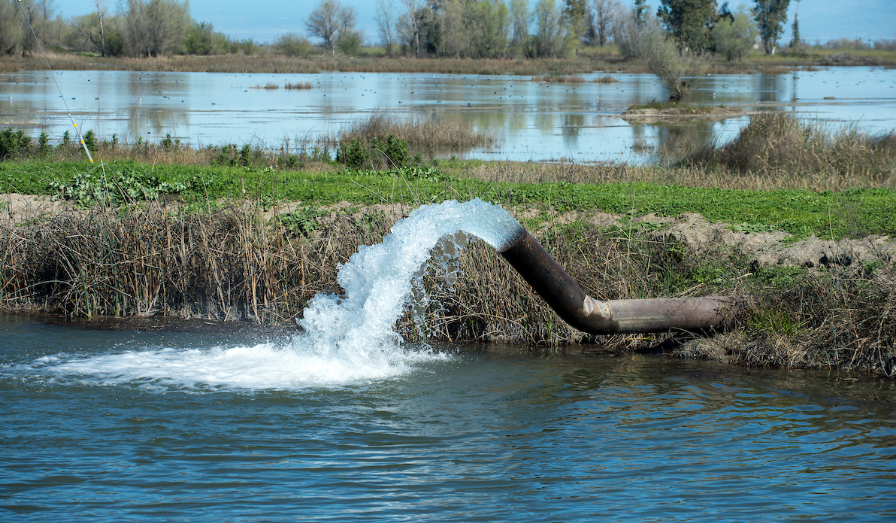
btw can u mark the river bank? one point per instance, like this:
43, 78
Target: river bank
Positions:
587, 61
815, 303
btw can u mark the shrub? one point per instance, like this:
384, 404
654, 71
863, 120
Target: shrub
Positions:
13, 143
292, 44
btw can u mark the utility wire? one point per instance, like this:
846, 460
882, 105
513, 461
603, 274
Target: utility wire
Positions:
53, 76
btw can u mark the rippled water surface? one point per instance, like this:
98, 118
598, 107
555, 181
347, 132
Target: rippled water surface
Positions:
120, 426
530, 120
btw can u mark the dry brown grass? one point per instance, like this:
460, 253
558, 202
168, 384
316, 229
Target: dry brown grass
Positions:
269, 85
775, 145
430, 136
298, 85
233, 264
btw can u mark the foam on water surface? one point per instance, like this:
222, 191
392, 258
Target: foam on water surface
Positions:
348, 339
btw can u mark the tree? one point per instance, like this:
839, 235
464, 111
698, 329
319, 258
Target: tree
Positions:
519, 26
574, 19
550, 35
156, 27
667, 62
330, 20
689, 22
770, 16
414, 18
795, 40
599, 20
734, 35
640, 11
626, 32
386, 24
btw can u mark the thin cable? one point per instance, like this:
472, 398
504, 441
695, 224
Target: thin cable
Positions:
53, 76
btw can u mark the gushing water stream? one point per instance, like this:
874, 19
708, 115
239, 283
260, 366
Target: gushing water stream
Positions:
347, 338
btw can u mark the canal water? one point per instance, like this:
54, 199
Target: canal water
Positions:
124, 426
530, 120
344, 421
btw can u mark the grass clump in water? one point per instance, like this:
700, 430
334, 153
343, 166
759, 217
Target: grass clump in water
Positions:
775, 144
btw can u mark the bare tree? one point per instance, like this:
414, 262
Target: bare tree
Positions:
329, 21
100, 14
519, 22
412, 21
386, 23
155, 27
602, 15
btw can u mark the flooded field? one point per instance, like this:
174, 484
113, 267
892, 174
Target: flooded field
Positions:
530, 119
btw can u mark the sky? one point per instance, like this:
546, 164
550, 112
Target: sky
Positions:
265, 20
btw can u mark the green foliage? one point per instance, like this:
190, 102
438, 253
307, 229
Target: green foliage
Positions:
770, 16
349, 43
667, 62
200, 39
43, 144
689, 22
65, 138
394, 149
292, 44
354, 156
391, 152
734, 36
86, 188
13, 143
302, 222
90, 140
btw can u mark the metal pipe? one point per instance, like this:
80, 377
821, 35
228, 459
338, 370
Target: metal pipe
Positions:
586, 314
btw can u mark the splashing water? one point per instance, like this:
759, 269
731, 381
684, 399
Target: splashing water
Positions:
348, 339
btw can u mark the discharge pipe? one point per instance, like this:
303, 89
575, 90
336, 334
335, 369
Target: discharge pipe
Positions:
586, 314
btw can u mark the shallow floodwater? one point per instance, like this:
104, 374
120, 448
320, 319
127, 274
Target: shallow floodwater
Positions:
530, 120
92, 428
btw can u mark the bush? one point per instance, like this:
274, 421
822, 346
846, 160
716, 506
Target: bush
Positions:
349, 43
671, 65
12, 143
292, 44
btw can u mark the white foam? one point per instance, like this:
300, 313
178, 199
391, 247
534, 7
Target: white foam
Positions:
348, 339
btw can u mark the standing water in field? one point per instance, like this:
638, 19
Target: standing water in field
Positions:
347, 338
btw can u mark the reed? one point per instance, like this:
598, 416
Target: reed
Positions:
428, 136
775, 145
298, 85
243, 262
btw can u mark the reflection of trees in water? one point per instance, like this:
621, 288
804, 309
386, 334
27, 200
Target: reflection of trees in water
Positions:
159, 121
769, 87
674, 142
571, 125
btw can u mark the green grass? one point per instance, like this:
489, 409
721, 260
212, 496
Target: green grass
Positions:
851, 213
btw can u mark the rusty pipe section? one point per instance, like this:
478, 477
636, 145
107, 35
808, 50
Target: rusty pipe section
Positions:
586, 314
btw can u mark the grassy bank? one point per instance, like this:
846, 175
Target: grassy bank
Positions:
222, 234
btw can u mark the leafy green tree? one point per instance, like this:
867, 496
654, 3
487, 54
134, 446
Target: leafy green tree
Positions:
770, 16
734, 35
200, 39
689, 22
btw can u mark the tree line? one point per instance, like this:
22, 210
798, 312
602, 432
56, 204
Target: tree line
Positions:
138, 28
446, 28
